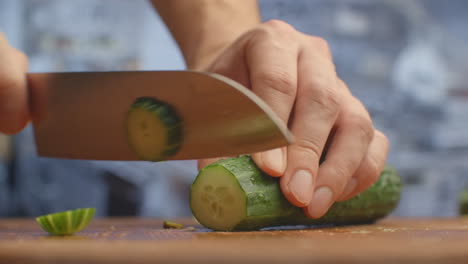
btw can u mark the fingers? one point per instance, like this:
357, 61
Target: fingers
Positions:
295, 75
315, 113
14, 111
272, 60
371, 167
349, 146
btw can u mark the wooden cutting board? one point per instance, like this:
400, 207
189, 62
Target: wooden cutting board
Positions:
130, 240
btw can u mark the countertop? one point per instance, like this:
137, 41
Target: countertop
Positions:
136, 240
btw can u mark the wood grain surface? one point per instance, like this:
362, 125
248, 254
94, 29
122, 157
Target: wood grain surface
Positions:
131, 240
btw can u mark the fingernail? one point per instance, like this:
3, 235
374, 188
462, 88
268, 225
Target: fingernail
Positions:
321, 201
300, 186
273, 160
349, 188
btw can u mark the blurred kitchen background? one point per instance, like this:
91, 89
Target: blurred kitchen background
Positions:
405, 59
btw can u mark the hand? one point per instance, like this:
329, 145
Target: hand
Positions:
14, 111
295, 75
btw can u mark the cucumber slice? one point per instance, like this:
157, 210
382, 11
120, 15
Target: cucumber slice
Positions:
154, 129
235, 195
66, 222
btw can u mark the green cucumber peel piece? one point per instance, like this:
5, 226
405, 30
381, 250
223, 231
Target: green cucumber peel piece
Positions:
235, 195
172, 225
154, 129
66, 222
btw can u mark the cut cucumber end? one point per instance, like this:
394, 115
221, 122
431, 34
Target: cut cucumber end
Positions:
217, 199
154, 129
66, 222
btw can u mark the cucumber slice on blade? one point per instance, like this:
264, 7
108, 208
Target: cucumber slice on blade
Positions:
154, 129
66, 222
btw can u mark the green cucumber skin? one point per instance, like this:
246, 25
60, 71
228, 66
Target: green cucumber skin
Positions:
267, 207
171, 120
66, 222
463, 205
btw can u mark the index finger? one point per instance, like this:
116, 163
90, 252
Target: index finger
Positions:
315, 113
272, 63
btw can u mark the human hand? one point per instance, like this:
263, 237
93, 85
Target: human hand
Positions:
14, 110
295, 75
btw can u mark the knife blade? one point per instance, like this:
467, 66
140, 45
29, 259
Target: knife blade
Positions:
81, 115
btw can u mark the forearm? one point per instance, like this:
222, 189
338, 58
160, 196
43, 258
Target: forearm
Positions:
203, 28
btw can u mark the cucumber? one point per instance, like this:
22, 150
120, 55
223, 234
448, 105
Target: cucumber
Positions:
463, 202
235, 195
154, 129
66, 222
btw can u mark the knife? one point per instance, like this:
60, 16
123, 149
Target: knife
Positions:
81, 115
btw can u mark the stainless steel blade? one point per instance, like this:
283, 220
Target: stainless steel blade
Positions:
81, 115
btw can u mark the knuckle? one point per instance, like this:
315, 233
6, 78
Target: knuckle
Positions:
276, 32
309, 148
383, 138
321, 44
259, 34
364, 127
322, 94
279, 26
279, 81
319, 41
341, 172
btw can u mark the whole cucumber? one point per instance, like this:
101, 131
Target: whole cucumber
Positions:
235, 195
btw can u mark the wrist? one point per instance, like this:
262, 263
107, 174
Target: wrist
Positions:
203, 29
201, 59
